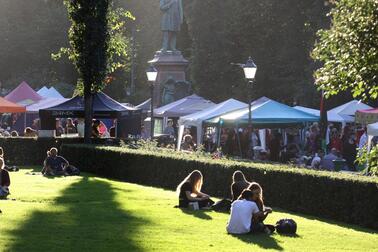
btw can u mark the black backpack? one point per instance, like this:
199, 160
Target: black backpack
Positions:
286, 226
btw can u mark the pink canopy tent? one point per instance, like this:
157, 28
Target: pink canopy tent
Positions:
367, 116
23, 95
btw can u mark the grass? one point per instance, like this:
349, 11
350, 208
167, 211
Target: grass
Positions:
94, 214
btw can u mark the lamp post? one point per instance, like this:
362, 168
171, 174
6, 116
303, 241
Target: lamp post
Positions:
250, 70
152, 73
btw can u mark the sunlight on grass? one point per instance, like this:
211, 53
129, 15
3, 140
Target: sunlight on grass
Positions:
89, 213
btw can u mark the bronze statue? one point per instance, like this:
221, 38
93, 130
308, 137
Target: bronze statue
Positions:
172, 19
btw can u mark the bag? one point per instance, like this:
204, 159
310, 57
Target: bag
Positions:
286, 226
223, 205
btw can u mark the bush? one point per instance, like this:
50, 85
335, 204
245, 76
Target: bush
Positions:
352, 199
32, 151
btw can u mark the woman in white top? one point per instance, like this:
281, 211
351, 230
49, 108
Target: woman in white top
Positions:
245, 215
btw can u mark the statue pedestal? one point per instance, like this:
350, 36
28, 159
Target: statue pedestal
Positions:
169, 64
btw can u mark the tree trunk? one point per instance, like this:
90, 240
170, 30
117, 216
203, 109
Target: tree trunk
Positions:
88, 110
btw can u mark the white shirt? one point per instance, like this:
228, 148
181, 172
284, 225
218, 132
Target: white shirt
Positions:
241, 216
316, 161
80, 129
363, 141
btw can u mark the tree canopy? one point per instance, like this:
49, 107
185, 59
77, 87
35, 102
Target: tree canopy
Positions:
348, 50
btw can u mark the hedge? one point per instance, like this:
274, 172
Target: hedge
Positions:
351, 199
32, 151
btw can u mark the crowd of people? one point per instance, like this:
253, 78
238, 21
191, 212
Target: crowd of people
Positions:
63, 127
247, 209
312, 150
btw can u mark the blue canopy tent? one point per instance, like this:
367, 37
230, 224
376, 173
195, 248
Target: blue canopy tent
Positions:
104, 107
266, 113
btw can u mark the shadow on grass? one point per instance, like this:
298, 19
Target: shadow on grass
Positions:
262, 240
331, 222
86, 217
201, 214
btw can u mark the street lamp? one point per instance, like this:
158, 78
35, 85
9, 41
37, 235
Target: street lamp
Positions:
152, 73
250, 69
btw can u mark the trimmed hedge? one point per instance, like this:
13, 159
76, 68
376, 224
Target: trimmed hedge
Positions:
32, 151
351, 199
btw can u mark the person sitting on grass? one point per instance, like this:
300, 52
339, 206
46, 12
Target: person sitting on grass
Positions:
54, 164
246, 216
189, 190
239, 183
4, 180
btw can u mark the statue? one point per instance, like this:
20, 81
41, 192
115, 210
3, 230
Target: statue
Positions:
172, 19
174, 90
169, 88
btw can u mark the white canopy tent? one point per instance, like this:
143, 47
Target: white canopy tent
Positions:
332, 116
197, 119
50, 93
185, 106
350, 108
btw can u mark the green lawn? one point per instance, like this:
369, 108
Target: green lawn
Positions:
94, 214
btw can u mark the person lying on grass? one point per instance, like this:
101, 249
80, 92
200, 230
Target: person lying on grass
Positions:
246, 217
57, 165
239, 183
189, 190
4, 180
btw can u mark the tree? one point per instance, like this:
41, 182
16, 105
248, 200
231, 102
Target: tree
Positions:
348, 50
89, 41
98, 47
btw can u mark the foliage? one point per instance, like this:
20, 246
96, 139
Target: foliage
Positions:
278, 36
323, 194
349, 50
20, 151
369, 159
110, 215
116, 45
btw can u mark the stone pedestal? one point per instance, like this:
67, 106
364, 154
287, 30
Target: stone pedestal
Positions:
169, 65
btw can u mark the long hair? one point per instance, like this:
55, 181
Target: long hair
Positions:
1, 163
1, 152
238, 176
195, 179
260, 201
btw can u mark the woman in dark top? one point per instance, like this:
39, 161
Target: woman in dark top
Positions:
239, 183
190, 191
4, 180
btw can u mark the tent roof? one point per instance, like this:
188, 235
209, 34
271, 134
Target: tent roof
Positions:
43, 91
49, 93
185, 106
369, 111
267, 112
103, 106
10, 107
145, 106
350, 108
45, 103
23, 94
196, 119
331, 116
372, 129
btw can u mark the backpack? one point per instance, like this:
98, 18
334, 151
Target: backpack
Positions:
223, 205
286, 226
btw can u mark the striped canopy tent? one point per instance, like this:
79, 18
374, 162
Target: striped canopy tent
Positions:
367, 116
10, 107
